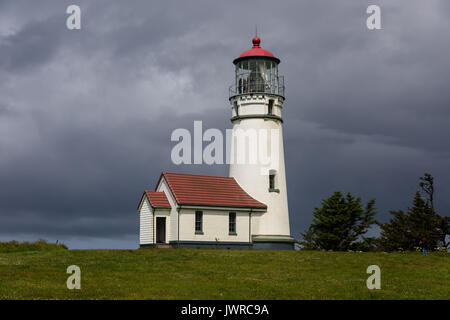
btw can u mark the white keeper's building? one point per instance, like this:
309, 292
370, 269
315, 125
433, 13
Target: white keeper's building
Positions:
248, 209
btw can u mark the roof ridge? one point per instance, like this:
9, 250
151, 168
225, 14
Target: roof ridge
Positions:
196, 175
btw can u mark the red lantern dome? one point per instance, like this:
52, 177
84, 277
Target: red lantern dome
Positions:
256, 51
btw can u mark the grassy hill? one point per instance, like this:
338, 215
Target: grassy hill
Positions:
221, 274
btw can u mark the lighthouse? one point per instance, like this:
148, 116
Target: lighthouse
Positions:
256, 99
249, 208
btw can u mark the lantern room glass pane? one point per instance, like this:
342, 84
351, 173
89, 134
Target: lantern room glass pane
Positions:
274, 82
256, 75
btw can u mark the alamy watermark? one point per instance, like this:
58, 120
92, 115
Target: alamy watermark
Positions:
373, 22
73, 21
240, 146
74, 280
374, 281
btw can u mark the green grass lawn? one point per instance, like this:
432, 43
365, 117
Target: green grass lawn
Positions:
221, 274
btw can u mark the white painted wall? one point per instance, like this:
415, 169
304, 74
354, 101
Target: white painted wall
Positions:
215, 225
145, 223
256, 221
276, 220
257, 104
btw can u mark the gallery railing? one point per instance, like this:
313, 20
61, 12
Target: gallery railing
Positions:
276, 86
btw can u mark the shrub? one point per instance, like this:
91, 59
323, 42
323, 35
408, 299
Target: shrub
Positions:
39, 245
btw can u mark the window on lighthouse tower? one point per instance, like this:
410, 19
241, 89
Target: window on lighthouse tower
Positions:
272, 181
270, 107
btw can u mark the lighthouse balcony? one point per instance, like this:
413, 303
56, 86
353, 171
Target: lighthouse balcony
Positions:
250, 86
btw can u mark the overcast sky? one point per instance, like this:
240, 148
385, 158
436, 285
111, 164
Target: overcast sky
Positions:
86, 115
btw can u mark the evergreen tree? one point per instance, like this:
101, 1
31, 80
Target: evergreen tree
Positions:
420, 227
443, 223
339, 223
396, 234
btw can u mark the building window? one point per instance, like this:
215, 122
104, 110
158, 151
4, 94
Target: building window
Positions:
271, 181
232, 223
270, 107
236, 109
198, 222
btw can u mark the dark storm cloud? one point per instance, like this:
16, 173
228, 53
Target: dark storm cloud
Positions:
86, 116
35, 44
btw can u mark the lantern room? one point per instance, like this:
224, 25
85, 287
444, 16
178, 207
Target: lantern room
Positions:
257, 72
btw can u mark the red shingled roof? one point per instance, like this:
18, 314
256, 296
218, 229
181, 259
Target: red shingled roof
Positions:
156, 199
201, 190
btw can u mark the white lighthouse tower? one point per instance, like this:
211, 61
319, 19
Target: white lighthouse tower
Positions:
257, 102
